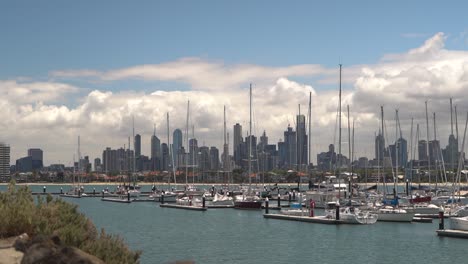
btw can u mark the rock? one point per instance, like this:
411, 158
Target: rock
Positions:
49, 250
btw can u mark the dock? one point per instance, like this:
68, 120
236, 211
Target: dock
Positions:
185, 207
433, 216
316, 219
143, 200
115, 200
452, 233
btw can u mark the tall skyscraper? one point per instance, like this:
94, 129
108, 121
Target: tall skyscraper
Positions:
379, 148
237, 147
176, 146
137, 146
193, 151
214, 158
290, 144
422, 150
155, 152
165, 156
302, 157
4, 160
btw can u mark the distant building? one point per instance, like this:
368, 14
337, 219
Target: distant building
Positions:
214, 158
422, 150
97, 165
4, 161
379, 147
176, 147
302, 155
165, 157
450, 153
36, 154
156, 154
237, 147
290, 148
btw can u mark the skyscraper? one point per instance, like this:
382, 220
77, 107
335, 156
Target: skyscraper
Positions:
302, 157
214, 158
137, 146
237, 144
155, 152
422, 150
379, 147
290, 148
176, 146
4, 160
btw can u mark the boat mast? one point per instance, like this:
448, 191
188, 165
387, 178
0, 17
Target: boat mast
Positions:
339, 140
171, 151
308, 140
396, 151
349, 151
250, 135
79, 163
435, 151
411, 151
382, 158
427, 146
187, 139
134, 159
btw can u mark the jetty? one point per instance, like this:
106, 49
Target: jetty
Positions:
184, 207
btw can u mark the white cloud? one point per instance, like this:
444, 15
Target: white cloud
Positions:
34, 117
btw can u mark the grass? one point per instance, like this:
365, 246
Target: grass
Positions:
20, 214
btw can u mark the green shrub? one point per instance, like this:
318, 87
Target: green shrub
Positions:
20, 214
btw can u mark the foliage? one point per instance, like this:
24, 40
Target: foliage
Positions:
20, 214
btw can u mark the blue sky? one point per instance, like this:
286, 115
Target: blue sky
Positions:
85, 67
42, 36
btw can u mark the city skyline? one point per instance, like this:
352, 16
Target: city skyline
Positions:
67, 86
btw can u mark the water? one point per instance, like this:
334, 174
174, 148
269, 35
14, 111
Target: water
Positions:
236, 236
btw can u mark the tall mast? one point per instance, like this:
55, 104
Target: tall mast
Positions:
383, 141
187, 139
456, 127
349, 142
395, 179
79, 162
411, 151
133, 131
299, 141
435, 150
310, 122
339, 140
250, 135
427, 146
169, 146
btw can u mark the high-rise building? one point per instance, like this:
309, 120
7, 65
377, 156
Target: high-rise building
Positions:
401, 147
137, 146
97, 165
176, 146
117, 160
193, 152
237, 147
302, 155
214, 158
165, 156
422, 150
35, 154
379, 147
205, 159
155, 152
4, 161
450, 153
291, 148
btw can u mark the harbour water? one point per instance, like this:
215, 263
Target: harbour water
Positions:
236, 236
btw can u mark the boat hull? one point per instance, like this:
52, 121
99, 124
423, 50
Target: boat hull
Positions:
248, 205
459, 223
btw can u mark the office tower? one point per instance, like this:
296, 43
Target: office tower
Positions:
291, 148
237, 147
301, 155
379, 147
176, 146
205, 164
137, 146
193, 152
165, 156
422, 150
155, 152
97, 165
214, 158
4, 161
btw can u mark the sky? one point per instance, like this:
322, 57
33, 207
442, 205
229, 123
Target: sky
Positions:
70, 68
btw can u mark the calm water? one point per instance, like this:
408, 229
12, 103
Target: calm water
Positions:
235, 236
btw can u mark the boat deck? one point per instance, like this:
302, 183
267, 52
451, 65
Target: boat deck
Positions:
115, 200
185, 207
316, 219
422, 219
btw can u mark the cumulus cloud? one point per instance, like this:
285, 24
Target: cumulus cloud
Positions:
34, 117
200, 74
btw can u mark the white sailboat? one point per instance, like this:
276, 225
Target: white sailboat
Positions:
248, 200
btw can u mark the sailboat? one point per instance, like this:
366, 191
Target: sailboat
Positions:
392, 213
248, 200
76, 190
